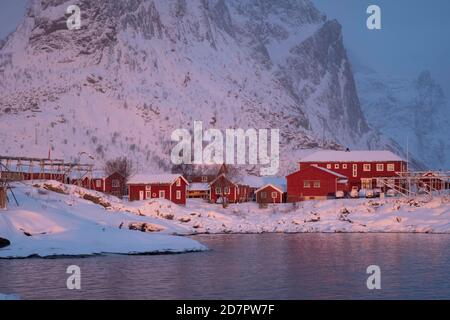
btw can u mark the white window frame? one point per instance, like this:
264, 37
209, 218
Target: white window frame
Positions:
148, 194
178, 183
306, 184
148, 188
355, 170
162, 194
226, 190
328, 165
218, 190
274, 194
344, 166
204, 179
316, 184
115, 183
367, 167
98, 183
336, 165
380, 167
178, 194
390, 167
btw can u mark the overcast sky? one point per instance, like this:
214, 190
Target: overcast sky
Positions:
415, 34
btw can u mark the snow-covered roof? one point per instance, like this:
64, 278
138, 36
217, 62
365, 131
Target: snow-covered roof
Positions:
331, 172
354, 156
143, 178
278, 188
222, 175
199, 186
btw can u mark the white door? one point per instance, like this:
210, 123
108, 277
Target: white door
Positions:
141, 195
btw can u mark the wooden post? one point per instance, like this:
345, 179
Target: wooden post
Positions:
3, 198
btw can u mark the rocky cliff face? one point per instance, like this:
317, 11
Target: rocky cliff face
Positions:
137, 69
413, 111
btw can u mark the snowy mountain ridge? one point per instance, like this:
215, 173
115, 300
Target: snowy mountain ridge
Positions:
413, 112
138, 69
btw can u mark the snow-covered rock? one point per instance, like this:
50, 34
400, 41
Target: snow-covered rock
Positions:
53, 223
4, 242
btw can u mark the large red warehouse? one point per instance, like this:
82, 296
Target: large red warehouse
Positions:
323, 173
150, 186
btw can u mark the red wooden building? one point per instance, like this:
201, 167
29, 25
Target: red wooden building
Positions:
223, 187
434, 181
113, 184
323, 173
172, 187
269, 194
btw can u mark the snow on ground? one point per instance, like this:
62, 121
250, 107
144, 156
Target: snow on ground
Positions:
343, 215
48, 223
80, 221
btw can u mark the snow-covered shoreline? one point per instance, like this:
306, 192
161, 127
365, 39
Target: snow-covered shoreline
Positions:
53, 224
60, 220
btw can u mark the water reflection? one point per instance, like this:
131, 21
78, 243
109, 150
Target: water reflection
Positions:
268, 266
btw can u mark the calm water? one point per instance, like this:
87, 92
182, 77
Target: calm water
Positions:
268, 266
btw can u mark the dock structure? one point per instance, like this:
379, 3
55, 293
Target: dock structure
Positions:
27, 168
412, 183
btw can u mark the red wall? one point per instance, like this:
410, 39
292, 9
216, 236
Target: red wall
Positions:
356, 181
170, 192
117, 191
223, 182
328, 184
269, 199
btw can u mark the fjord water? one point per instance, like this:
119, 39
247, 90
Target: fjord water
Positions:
264, 266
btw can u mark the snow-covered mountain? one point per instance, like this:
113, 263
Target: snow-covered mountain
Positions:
410, 111
138, 69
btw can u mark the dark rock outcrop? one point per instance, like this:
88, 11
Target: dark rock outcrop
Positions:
4, 243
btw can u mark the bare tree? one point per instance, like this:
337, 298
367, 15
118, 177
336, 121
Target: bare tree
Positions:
121, 165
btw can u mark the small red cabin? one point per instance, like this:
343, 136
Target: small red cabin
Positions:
172, 187
222, 186
113, 184
269, 194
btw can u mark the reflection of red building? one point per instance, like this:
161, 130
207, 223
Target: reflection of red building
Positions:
323, 173
172, 187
